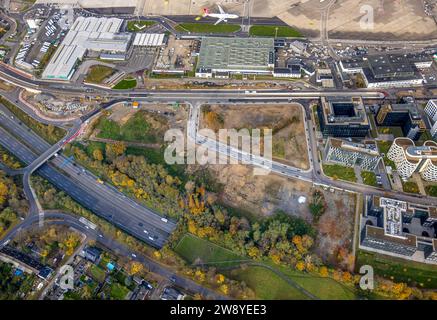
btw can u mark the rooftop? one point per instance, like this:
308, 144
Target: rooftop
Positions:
236, 54
96, 34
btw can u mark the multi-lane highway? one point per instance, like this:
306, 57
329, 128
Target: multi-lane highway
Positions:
81, 185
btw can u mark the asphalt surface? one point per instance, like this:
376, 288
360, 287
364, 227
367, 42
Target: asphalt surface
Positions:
81, 185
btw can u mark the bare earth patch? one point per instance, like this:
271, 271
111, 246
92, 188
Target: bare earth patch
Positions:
286, 121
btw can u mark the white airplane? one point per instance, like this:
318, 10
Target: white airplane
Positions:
222, 16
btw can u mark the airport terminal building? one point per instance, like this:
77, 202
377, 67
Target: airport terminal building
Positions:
237, 55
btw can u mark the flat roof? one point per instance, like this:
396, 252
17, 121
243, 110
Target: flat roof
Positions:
97, 34
236, 54
354, 104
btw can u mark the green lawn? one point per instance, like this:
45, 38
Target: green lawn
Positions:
97, 273
136, 128
399, 270
369, 178
272, 31
207, 28
125, 84
431, 191
323, 288
395, 131
410, 187
266, 284
270, 286
384, 147
191, 248
118, 292
337, 171
138, 26
97, 74
49, 133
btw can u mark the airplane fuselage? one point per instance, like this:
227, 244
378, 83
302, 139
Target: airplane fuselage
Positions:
223, 16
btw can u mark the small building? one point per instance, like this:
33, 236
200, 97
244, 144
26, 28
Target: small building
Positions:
92, 254
298, 47
292, 72
171, 293
204, 73
222, 75
113, 56
325, 78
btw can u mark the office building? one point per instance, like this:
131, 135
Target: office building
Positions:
431, 111
364, 155
400, 229
410, 158
343, 117
405, 115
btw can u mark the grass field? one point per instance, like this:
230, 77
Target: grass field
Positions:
125, 84
207, 28
137, 26
270, 286
118, 292
410, 187
398, 270
431, 191
97, 273
336, 171
369, 178
135, 129
191, 248
384, 147
97, 74
49, 133
274, 31
323, 288
266, 284
395, 131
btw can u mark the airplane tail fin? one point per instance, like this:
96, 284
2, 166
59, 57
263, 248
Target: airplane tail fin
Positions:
205, 12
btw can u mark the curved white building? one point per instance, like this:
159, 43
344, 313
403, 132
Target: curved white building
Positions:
410, 158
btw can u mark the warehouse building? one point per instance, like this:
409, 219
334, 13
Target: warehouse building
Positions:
343, 117
86, 34
149, 39
410, 158
388, 70
400, 229
364, 155
237, 55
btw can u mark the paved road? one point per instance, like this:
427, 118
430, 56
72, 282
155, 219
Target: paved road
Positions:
104, 200
153, 266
